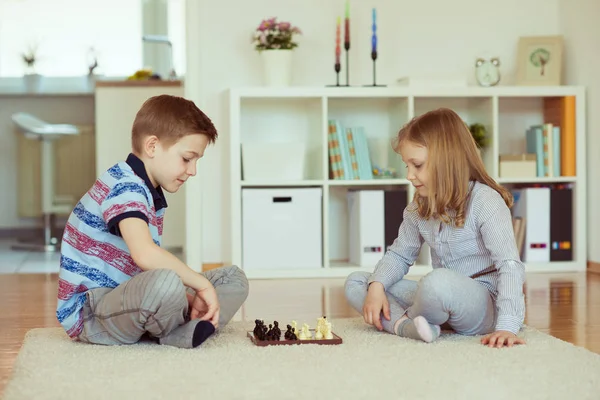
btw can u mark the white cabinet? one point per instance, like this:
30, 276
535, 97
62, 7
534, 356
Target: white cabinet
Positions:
301, 114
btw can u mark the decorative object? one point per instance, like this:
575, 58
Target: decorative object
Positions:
374, 48
92, 60
539, 60
337, 66
29, 58
487, 72
31, 79
384, 173
518, 166
275, 42
479, 133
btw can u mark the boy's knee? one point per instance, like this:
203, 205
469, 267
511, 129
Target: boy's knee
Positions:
164, 285
237, 277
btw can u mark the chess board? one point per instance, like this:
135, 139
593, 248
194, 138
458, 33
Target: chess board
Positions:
336, 340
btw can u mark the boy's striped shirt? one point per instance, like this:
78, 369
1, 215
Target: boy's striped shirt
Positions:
93, 253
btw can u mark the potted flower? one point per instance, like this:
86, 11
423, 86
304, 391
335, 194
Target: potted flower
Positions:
275, 42
31, 77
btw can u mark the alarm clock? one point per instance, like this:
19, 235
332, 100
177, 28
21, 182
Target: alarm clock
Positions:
487, 72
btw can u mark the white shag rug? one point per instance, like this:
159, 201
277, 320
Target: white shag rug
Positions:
369, 364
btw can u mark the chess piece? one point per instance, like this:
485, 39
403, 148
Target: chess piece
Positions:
258, 328
288, 333
328, 335
302, 335
294, 327
305, 332
318, 334
276, 331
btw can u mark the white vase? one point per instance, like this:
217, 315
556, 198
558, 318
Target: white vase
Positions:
277, 67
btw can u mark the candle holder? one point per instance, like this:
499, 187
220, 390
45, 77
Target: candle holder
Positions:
347, 48
337, 68
374, 50
374, 58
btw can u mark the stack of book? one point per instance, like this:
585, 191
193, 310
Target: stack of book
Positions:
348, 152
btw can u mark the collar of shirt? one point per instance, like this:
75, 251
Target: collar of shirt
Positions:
139, 169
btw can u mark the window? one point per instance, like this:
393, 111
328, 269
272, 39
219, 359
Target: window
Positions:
65, 30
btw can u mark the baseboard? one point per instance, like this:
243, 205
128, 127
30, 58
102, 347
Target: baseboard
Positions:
593, 267
27, 233
208, 267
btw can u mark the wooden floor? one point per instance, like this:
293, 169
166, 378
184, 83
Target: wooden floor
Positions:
566, 306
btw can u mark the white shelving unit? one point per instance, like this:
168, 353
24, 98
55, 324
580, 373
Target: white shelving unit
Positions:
301, 114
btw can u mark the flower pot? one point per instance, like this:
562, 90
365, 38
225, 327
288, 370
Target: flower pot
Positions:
277, 67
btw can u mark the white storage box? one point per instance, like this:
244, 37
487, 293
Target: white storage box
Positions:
518, 166
367, 226
273, 161
281, 228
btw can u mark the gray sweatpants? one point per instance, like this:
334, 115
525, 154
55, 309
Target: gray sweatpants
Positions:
443, 297
154, 303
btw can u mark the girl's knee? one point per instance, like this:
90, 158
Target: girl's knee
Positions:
435, 283
356, 281
357, 278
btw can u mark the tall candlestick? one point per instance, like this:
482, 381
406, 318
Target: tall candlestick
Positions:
374, 37
337, 42
347, 40
374, 47
337, 66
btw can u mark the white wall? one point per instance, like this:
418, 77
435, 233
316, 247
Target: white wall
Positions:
440, 38
579, 25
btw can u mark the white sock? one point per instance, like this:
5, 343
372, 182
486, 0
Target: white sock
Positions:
418, 329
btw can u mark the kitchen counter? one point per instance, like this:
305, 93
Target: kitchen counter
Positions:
148, 83
35, 86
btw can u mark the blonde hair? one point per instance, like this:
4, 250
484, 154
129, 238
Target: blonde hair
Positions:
453, 161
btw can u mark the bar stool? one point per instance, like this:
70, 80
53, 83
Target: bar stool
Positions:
36, 129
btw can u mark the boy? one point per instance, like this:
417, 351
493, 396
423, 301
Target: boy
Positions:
116, 284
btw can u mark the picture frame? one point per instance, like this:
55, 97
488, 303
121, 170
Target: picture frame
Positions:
540, 60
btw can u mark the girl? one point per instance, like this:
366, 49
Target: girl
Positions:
476, 286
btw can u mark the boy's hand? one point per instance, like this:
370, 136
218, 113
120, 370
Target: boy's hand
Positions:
206, 306
501, 338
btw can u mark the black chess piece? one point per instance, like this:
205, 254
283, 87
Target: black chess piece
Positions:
260, 330
263, 332
276, 331
257, 327
288, 333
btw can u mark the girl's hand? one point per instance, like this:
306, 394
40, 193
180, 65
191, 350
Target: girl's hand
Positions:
375, 302
501, 338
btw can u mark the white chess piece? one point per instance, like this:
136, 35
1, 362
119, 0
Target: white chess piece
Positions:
302, 335
306, 331
294, 327
328, 334
318, 334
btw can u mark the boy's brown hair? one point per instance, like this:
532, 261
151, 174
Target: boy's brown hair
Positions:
169, 118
